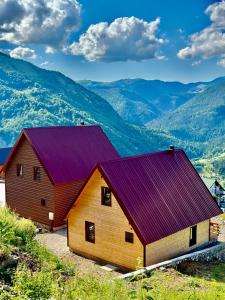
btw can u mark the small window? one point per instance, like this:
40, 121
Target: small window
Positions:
106, 196
129, 237
19, 170
90, 232
37, 173
43, 202
193, 235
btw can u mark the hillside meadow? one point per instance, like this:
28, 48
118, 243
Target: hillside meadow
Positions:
29, 271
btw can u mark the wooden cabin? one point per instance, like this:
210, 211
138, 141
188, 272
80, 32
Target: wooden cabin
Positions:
4, 153
47, 168
216, 190
141, 210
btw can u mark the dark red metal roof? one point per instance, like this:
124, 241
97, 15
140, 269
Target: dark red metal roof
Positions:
160, 193
69, 153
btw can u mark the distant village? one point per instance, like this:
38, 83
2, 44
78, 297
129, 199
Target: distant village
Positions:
115, 209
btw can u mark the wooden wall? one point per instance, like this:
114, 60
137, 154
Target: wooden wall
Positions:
2, 174
23, 194
110, 227
64, 196
176, 244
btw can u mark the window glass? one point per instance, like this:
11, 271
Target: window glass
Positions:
89, 232
106, 196
129, 237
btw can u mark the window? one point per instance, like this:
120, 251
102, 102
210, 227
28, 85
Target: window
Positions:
43, 202
129, 237
37, 173
193, 235
106, 196
89, 232
19, 170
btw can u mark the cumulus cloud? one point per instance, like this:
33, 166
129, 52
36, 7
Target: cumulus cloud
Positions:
209, 42
38, 21
124, 39
21, 52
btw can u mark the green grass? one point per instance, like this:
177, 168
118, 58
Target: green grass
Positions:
42, 275
223, 216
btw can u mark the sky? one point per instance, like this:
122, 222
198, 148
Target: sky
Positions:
106, 40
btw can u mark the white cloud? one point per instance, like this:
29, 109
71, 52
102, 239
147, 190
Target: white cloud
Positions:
210, 42
38, 21
221, 62
49, 50
124, 39
21, 52
44, 64
196, 63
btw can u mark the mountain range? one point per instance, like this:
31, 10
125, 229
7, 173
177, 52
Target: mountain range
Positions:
193, 113
138, 115
31, 96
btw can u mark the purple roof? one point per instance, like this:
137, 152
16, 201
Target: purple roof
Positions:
69, 153
160, 193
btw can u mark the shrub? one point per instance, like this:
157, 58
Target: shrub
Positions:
38, 285
13, 230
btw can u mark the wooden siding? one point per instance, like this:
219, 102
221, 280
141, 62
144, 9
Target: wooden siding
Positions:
64, 196
2, 174
176, 244
23, 194
110, 227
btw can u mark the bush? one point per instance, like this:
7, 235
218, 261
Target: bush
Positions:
38, 285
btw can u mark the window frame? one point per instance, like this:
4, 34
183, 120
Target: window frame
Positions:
36, 171
193, 236
103, 195
129, 237
88, 234
19, 170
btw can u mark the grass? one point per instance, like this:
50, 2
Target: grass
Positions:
42, 275
223, 216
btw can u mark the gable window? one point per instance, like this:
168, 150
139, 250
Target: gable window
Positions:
106, 196
19, 170
37, 173
89, 232
193, 236
129, 237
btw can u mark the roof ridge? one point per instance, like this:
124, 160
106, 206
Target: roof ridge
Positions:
65, 126
139, 156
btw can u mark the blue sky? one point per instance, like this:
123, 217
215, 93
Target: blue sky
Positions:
138, 39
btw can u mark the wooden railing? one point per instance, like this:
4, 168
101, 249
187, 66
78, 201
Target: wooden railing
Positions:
214, 230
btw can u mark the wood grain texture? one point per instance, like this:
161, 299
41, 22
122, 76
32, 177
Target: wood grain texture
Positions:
176, 244
64, 196
23, 194
110, 227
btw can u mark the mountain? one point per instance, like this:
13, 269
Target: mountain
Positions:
31, 96
139, 101
199, 120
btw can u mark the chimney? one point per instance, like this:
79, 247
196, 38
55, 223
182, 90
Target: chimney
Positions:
171, 148
82, 122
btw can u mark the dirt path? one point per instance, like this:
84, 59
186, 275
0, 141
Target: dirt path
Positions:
57, 243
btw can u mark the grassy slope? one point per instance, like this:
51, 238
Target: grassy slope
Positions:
41, 275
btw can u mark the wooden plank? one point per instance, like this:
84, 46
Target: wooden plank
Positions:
110, 226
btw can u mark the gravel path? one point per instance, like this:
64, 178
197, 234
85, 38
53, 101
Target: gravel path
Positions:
57, 243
